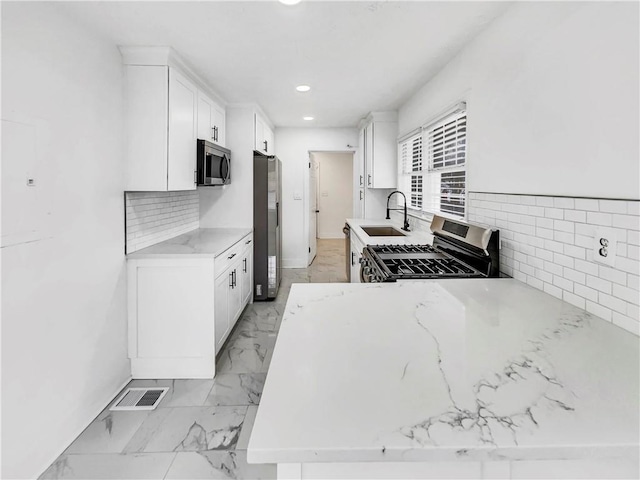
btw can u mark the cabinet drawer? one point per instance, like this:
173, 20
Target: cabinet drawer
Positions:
232, 254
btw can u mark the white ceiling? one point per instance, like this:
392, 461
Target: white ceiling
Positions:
357, 56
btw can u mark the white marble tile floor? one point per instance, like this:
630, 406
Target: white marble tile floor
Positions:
201, 428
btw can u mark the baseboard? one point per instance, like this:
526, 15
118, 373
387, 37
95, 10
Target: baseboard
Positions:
82, 429
175, 367
332, 236
295, 263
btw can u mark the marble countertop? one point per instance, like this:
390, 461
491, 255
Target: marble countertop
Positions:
202, 242
437, 370
412, 237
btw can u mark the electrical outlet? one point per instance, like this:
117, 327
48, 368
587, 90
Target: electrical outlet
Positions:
604, 246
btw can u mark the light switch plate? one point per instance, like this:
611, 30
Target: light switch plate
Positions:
604, 246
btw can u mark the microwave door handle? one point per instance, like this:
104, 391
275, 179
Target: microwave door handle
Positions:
225, 160
208, 167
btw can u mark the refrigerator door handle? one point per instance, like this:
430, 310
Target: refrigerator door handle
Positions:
277, 214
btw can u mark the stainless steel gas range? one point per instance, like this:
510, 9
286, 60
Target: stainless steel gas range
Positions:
459, 250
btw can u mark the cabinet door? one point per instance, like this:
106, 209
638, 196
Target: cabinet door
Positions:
260, 139
247, 267
356, 254
269, 139
205, 120
235, 294
384, 154
170, 308
218, 120
368, 154
182, 132
221, 300
360, 170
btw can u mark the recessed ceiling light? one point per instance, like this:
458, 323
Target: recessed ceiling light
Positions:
303, 88
307, 118
289, 2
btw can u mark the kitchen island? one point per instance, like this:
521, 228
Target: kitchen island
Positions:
458, 378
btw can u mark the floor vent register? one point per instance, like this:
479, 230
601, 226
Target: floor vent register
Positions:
140, 399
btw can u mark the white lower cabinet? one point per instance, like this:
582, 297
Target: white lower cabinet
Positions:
181, 311
356, 255
221, 317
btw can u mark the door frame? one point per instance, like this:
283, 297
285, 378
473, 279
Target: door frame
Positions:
307, 179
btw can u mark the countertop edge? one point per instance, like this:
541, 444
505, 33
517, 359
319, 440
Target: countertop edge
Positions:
444, 454
228, 238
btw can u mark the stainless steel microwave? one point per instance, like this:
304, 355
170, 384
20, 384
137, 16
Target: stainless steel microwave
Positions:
214, 164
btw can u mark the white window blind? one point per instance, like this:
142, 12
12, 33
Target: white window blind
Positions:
434, 180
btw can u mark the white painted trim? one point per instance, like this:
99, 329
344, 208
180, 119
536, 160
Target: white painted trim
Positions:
294, 263
165, 368
332, 236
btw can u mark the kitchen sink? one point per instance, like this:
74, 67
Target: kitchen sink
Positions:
383, 232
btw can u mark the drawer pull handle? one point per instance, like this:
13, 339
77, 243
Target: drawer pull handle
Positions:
230, 257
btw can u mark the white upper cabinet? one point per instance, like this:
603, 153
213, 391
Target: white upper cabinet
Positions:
167, 109
380, 149
211, 120
160, 129
263, 138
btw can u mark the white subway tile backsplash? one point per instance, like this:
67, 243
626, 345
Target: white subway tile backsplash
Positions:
586, 267
627, 323
599, 310
589, 204
628, 265
553, 268
628, 294
152, 217
585, 292
534, 282
544, 233
573, 299
548, 242
563, 237
553, 246
544, 201
563, 202
629, 222
563, 283
563, 260
575, 216
573, 251
599, 284
556, 213
613, 206
553, 290
563, 226
613, 303
613, 275
603, 219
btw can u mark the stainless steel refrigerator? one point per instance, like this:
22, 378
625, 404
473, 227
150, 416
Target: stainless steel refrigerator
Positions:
267, 215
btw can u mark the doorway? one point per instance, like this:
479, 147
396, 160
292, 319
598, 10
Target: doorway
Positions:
330, 196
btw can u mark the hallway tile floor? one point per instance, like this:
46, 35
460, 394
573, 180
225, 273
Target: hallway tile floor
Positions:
201, 428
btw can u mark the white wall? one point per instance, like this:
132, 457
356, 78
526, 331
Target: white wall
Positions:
63, 294
335, 192
292, 147
552, 91
232, 205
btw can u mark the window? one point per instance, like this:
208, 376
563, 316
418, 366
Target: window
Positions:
436, 181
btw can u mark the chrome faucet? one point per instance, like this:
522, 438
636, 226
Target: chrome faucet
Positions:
406, 218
